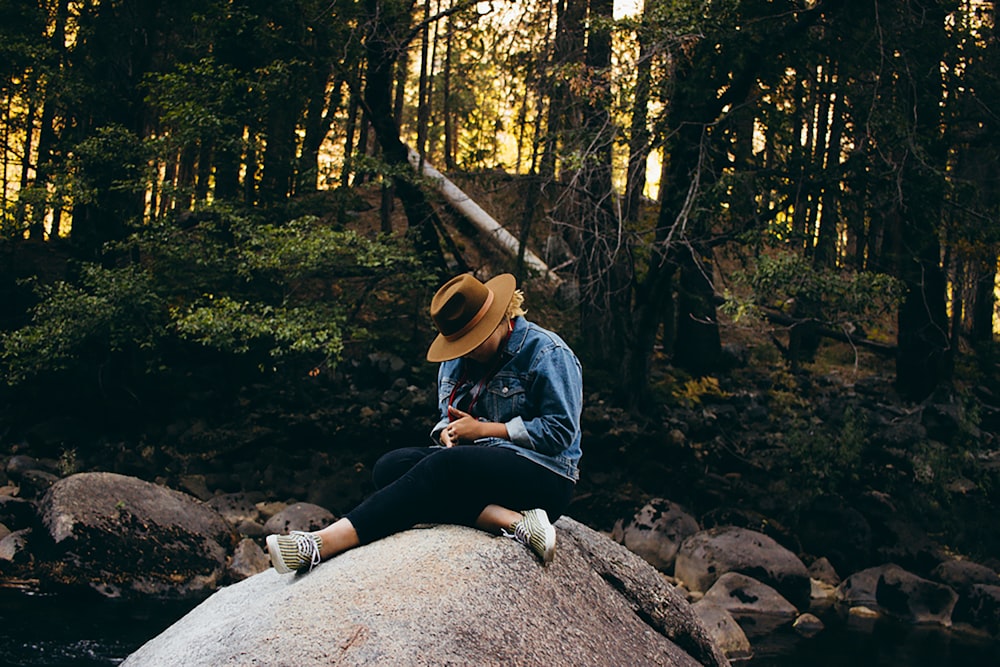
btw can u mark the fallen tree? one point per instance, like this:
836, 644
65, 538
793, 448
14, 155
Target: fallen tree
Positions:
479, 218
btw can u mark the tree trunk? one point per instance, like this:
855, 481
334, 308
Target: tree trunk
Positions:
382, 47
602, 272
279, 150
479, 218
446, 103
638, 142
983, 304
925, 351
423, 88
324, 99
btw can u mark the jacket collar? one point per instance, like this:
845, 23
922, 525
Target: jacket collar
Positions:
517, 336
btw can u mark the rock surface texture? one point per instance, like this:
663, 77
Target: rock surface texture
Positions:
124, 536
447, 595
707, 555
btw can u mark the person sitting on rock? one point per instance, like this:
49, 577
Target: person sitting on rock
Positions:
510, 394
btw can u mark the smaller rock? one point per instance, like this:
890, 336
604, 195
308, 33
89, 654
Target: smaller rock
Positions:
16, 512
18, 464
962, 575
742, 595
724, 629
268, 509
300, 516
250, 529
980, 608
235, 507
858, 590
34, 483
14, 547
822, 593
707, 555
656, 532
123, 536
915, 599
862, 611
822, 569
196, 486
808, 625
248, 559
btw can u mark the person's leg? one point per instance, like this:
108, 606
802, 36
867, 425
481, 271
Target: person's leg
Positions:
473, 486
337, 537
397, 462
299, 549
496, 519
455, 486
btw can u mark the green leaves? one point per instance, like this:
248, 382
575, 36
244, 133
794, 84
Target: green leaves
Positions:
111, 311
307, 247
783, 281
240, 327
262, 292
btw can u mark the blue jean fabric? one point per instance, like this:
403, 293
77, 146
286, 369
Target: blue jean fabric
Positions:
537, 392
439, 485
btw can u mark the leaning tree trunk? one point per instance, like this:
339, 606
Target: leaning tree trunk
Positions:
480, 219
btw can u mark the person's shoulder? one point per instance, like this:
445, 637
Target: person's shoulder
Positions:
541, 336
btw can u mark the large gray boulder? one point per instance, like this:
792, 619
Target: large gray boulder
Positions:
126, 537
709, 554
656, 532
895, 591
447, 595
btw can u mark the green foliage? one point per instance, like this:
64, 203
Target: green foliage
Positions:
110, 311
786, 281
264, 292
240, 327
304, 247
695, 390
10, 228
822, 461
108, 169
196, 100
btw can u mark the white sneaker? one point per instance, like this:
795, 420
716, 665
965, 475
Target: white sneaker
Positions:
294, 551
535, 532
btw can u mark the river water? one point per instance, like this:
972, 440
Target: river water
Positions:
39, 630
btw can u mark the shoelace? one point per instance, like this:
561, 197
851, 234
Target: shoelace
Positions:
520, 533
306, 546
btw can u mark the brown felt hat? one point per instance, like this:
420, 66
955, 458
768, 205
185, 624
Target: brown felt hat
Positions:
466, 312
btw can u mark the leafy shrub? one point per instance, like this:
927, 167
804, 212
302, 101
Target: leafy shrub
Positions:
840, 300
110, 311
221, 280
825, 462
239, 327
695, 390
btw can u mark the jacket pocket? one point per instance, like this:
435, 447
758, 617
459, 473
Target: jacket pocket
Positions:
506, 397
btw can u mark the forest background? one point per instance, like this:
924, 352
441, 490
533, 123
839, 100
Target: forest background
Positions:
212, 203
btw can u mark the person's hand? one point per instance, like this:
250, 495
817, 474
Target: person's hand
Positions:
463, 426
446, 437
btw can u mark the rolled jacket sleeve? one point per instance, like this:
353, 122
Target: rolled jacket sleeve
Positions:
557, 395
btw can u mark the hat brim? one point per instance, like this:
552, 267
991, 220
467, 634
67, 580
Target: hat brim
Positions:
442, 349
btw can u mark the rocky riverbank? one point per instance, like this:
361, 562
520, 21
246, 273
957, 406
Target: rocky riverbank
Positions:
799, 493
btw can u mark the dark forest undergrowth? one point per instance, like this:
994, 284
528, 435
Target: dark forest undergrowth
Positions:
764, 443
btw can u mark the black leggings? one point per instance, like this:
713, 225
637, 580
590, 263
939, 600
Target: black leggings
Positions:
454, 485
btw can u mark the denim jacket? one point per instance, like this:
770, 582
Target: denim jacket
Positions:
537, 393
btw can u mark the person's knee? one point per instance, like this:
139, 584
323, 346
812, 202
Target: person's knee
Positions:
393, 465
